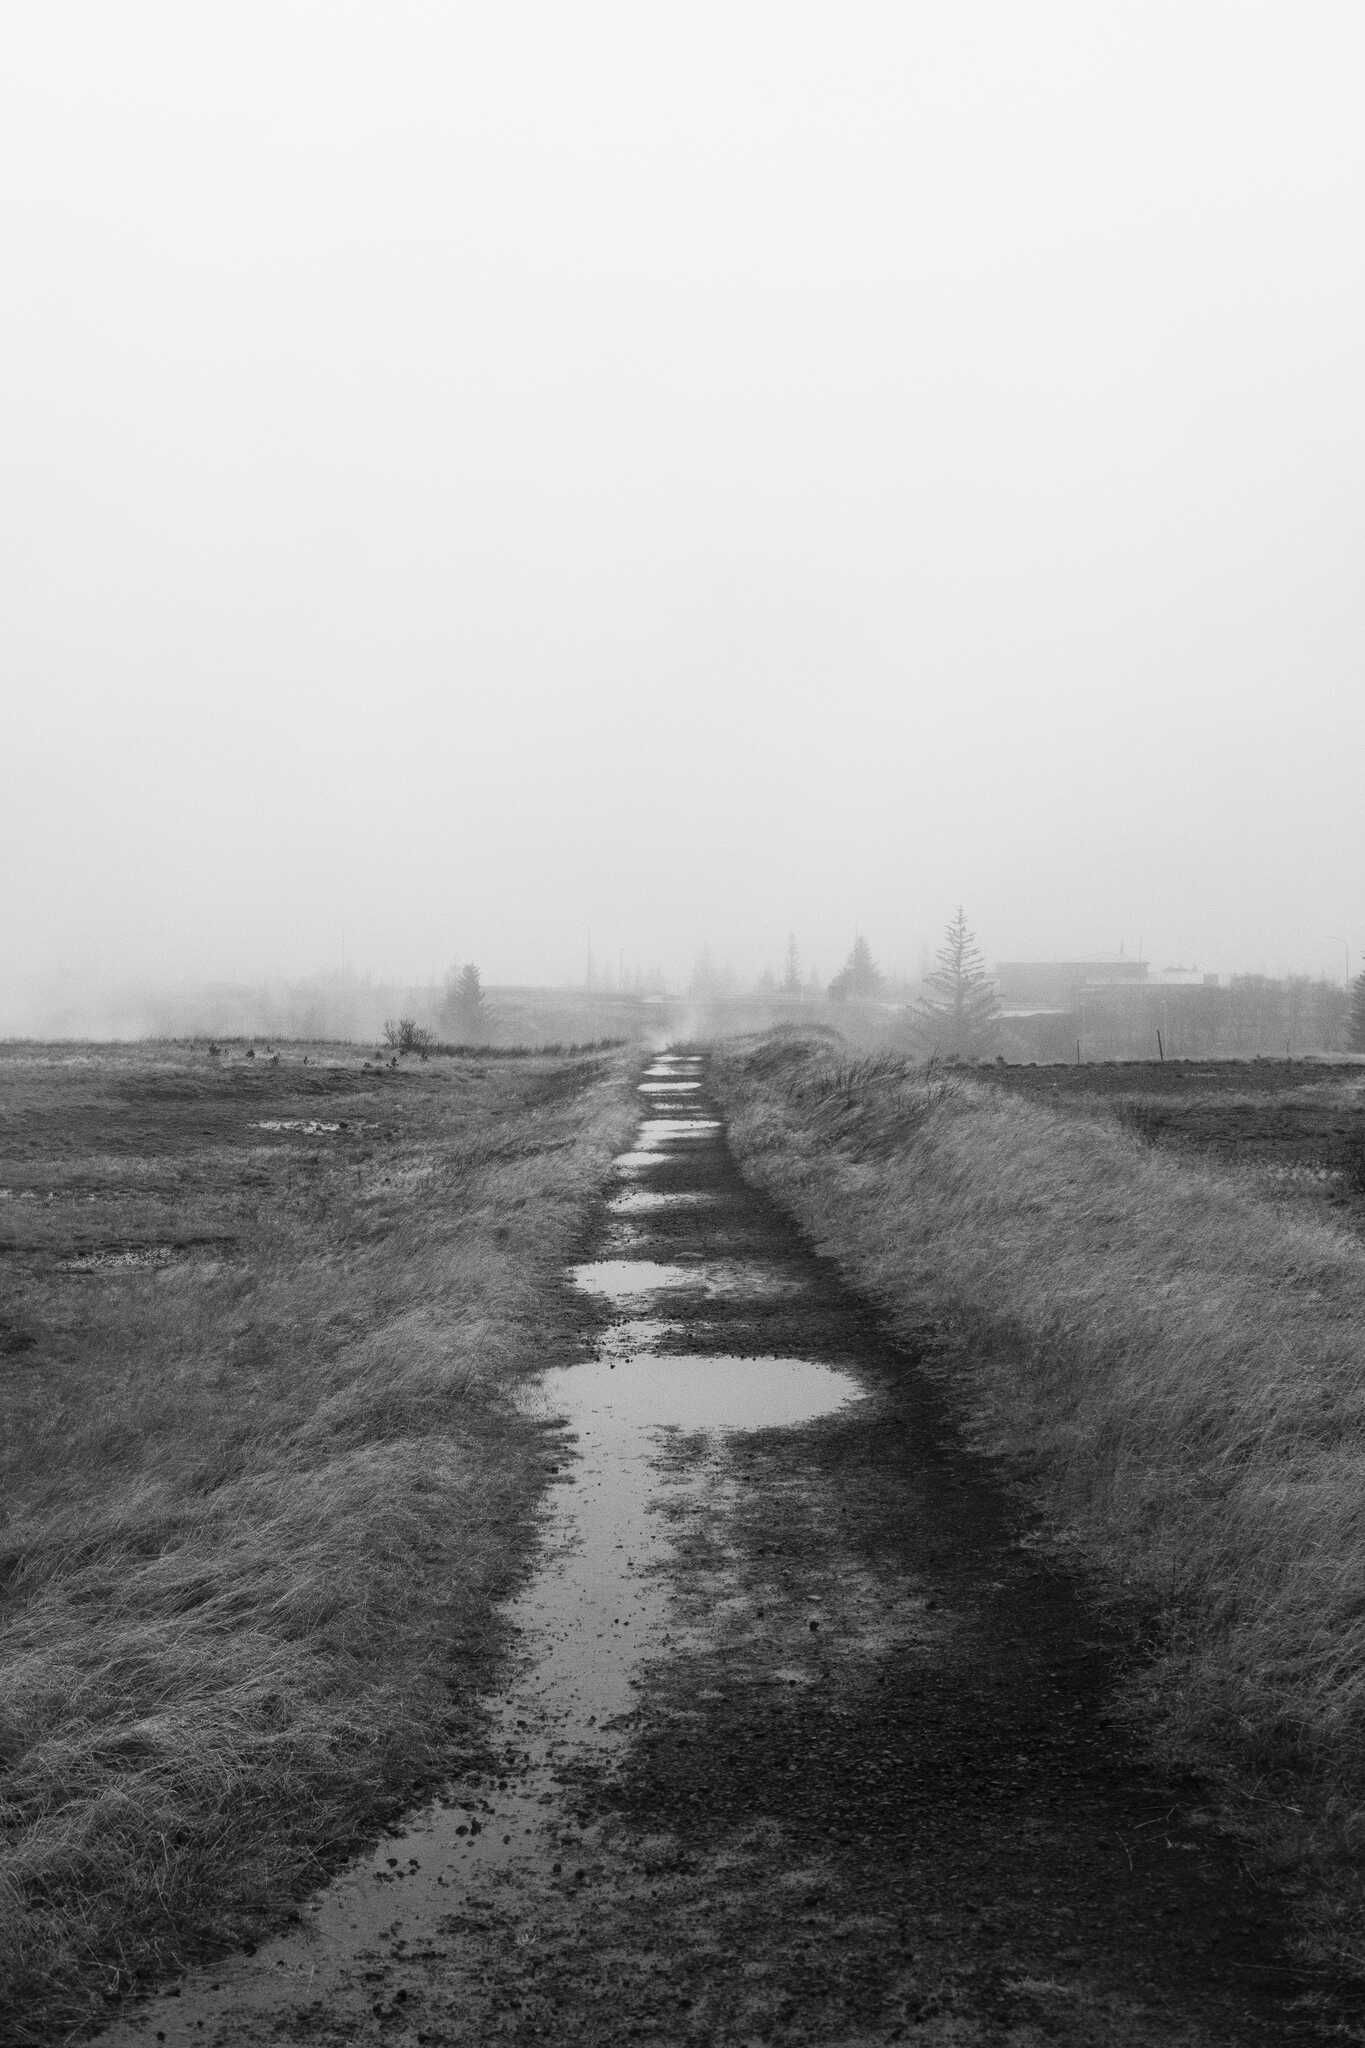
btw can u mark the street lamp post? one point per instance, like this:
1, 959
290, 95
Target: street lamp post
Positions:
1346, 943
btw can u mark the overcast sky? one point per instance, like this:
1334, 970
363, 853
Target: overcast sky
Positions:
477, 474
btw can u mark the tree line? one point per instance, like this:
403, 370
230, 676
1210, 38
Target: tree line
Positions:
958, 1013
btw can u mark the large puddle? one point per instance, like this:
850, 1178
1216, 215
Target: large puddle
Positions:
594, 1614
615, 1398
628, 1279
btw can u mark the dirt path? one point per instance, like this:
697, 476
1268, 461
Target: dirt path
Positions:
807, 1744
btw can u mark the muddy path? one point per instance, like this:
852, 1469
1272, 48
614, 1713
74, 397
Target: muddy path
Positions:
806, 1739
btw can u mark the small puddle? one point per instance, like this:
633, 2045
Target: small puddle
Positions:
640, 1201
652, 1158
310, 1126
630, 1279
666, 1130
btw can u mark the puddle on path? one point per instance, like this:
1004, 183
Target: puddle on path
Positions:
635, 1201
595, 1613
628, 1280
659, 1131
635, 1162
703, 1392
311, 1126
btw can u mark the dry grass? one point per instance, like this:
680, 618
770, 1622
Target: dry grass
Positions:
1177, 1367
264, 1478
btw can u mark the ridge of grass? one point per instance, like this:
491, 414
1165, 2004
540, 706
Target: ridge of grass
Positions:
1175, 1368
264, 1475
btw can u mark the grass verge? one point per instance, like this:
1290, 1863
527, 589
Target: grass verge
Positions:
264, 1477
1177, 1371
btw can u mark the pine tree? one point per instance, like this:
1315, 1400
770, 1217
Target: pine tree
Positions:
791, 974
859, 977
463, 1016
471, 992
958, 1017
1356, 1030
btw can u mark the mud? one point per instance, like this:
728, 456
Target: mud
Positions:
808, 1739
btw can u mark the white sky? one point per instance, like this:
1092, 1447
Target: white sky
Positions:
474, 473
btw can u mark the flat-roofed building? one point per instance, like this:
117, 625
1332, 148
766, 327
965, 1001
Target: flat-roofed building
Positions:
1056, 984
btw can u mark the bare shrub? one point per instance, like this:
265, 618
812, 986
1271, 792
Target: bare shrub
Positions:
407, 1035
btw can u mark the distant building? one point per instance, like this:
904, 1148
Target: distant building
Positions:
1055, 985
1126, 1010
1186, 977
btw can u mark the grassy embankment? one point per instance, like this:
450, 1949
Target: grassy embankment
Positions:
264, 1479
1176, 1367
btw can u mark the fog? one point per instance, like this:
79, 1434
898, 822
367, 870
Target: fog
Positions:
483, 483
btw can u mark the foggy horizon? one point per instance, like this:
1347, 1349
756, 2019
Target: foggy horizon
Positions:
482, 479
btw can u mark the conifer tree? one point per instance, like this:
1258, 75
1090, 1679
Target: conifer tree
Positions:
958, 1017
859, 976
463, 1013
1356, 1031
791, 975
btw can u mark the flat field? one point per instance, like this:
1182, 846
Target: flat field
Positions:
261, 1325
1290, 1127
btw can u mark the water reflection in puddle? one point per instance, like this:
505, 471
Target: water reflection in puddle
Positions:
662, 1130
638, 1201
653, 1155
630, 1279
698, 1392
660, 1134
627, 1279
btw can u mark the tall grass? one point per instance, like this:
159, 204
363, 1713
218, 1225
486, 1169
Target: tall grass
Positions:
1177, 1368
260, 1502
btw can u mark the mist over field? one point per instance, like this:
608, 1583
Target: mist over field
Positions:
490, 484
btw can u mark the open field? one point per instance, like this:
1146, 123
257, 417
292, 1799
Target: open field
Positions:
801, 1742
1173, 1364
261, 1322
1291, 1128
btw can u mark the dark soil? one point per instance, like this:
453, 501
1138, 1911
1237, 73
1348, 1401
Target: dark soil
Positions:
873, 1791
1287, 1115
1175, 1077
